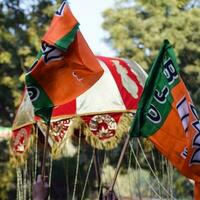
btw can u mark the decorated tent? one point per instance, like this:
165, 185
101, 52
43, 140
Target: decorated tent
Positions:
103, 113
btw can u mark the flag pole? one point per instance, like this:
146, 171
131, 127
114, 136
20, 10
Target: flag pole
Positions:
45, 150
120, 162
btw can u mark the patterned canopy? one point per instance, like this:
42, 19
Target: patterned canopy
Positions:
104, 112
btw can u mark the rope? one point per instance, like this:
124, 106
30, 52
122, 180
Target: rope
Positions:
36, 153
19, 184
163, 168
120, 161
101, 182
97, 167
24, 180
138, 185
77, 165
155, 168
30, 173
158, 181
50, 174
134, 178
29, 182
100, 187
87, 176
118, 190
154, 162
129, 173
170, 176
45, 149
144, 176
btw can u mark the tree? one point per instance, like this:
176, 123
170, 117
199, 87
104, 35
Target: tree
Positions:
137, 29
22, 25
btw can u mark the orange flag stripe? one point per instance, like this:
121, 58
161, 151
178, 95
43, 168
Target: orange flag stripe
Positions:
71, 76
175, 139
60, 25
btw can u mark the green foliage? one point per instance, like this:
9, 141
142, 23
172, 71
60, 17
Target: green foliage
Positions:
22, 23
7, 186
137, 29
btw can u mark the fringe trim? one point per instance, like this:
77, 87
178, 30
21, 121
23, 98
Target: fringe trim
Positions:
111, 143
93, 140
19, 159
58, 149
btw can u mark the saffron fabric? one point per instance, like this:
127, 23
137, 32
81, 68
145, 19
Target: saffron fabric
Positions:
64, 68
166, 115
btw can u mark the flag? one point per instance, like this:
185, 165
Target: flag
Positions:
166, 115
64, 68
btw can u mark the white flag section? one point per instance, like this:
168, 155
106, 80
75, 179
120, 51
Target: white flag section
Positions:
103, 96
118, 90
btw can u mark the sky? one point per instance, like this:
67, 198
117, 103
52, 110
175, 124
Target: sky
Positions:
89, 15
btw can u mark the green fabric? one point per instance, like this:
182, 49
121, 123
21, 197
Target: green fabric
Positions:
156, 81
42, 104
39, 55
65, 42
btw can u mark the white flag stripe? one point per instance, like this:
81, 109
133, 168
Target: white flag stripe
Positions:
102, 96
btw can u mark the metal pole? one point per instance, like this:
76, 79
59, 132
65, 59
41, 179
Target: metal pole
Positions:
45, 151
120, 162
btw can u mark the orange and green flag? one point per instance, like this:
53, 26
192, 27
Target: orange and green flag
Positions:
64, 68
167, 116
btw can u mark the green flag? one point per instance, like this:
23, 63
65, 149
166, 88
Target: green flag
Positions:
167, 116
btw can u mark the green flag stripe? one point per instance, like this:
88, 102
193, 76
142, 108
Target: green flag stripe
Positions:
39, 54
64, 42
151, 103
40, 100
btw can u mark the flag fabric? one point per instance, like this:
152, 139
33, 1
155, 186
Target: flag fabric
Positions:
167, 116
64, 68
